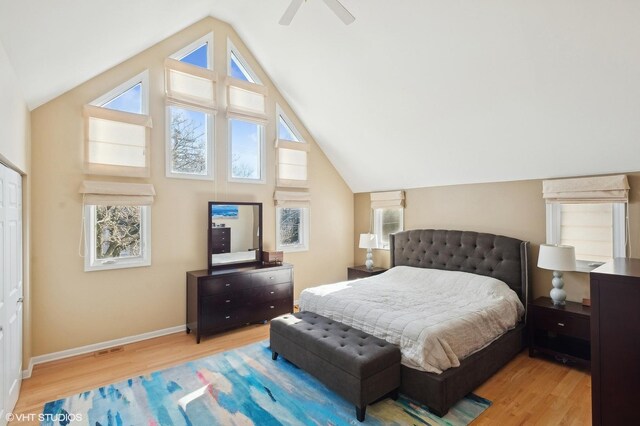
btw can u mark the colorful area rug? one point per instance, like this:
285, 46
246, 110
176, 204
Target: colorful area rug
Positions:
239, 387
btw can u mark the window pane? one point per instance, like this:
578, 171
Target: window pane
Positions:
245, 149
589, 228
118, 231
285, 132
237, 70
128, 101
197, 57
188, 141
290, 227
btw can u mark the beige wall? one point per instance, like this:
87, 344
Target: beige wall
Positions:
73, 308
514, 209
15, 128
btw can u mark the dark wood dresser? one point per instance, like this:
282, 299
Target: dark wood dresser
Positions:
220, 240
615, 342
222, 299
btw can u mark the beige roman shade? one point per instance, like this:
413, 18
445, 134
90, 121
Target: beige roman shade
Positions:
291, 167
190, 85
246, 101
291, 199
590, 190
387, 200
116, 193
116, 142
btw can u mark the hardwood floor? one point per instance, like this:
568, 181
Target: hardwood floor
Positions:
532, 391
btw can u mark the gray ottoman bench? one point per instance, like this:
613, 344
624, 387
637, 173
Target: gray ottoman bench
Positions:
359, 367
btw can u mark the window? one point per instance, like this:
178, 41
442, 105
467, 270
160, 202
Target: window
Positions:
191, 103
117, 131
292, 224
590, 214
387, 221
238, 67
246, 153
117, 224
189, 149
117, 237
596, 230
198, 53
292, 154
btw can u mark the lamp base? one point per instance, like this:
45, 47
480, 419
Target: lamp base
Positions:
369, 262
558, 295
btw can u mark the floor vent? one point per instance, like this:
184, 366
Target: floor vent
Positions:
109, 351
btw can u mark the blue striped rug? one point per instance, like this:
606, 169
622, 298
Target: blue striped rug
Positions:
243, 387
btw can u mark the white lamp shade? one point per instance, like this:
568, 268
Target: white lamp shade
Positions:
557, 258
368, 241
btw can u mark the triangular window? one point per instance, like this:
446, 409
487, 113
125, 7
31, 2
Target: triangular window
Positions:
286, 129
128, 101
238, 67
197, 53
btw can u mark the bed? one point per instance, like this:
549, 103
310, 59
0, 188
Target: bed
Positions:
460, 340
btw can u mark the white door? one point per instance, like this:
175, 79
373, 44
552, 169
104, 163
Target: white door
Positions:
11, 307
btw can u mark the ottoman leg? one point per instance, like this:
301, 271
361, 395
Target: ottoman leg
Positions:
274, 355
360, 412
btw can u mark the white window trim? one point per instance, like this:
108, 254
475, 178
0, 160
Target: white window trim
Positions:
619, 217
377, 224
292, 127
143, 78
207, 38
92, 264
211, 145
243, 62
305, 231
263, 154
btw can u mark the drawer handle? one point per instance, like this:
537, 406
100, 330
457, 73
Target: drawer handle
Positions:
227, 285
227, 301
272, 277
272, 292
272, 307
227, 317
561, 324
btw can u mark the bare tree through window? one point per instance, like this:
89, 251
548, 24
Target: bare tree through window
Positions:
188, 142
290, 227
118, 231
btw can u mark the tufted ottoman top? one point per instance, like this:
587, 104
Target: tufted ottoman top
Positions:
354, 351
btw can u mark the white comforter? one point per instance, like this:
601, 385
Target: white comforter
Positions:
437, 318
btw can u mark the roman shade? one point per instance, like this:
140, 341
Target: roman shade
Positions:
384, 200
291, 199
292, 164
190, 85
97, 193
246, 101
590, 190
116, 142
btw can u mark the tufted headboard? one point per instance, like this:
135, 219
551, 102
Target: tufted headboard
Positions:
492, 255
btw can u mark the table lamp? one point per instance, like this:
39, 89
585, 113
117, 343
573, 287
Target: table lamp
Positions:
369, 241
557, 258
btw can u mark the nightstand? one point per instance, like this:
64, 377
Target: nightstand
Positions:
563, 332
355, 272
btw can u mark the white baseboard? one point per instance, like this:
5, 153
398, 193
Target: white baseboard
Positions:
41, 359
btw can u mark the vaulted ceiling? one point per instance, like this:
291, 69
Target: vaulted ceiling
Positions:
414, 93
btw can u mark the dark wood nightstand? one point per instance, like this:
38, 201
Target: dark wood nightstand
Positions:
563, 332
355, 272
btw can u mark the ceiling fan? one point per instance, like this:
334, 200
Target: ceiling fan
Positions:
334, 5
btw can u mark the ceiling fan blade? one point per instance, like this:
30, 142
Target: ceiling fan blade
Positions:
290, 12
342, 12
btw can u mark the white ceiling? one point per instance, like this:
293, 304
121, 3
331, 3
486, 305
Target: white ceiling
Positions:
415, 93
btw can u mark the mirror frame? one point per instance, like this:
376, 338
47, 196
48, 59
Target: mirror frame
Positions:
258, 261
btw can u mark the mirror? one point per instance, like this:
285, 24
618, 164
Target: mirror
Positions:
235, 233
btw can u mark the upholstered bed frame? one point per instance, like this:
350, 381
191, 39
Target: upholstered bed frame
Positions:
496, 256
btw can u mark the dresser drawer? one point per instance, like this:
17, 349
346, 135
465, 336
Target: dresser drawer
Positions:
559, 322
273, 308
224, 300
273, 277
258, 295
230, 283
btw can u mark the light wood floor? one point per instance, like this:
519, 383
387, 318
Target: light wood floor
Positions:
526, 391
